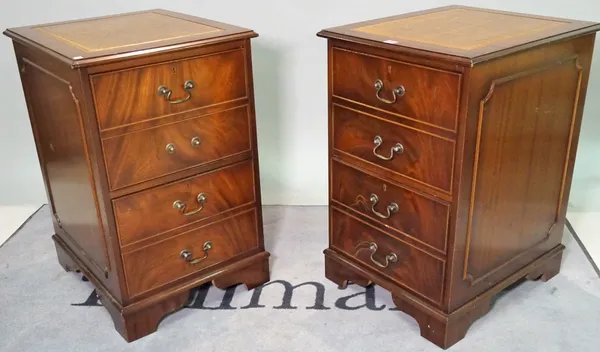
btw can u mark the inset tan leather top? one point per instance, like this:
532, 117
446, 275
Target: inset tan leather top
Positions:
125, 33
461, 31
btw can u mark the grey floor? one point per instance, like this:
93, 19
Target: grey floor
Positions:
43, 308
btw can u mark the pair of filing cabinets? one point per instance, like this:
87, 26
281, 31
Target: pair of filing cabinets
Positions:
451, 151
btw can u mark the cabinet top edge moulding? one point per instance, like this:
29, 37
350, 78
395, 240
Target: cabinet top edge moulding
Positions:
483, 34
100, 40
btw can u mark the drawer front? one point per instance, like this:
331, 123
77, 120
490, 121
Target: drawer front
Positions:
160, 263
159, 151
406, 265
157, 210
419, 217
424, 94
421, 156
131, 96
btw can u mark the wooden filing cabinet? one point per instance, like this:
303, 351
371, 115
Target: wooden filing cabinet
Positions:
145, 130
453, 134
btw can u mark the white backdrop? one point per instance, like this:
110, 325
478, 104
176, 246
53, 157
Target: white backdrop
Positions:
290, 86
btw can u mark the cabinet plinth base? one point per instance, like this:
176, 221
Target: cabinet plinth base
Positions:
441, 328
251, 276
142, 317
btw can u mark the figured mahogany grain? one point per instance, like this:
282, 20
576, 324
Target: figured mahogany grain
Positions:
131, 96
419, 217
415, 269
160, 263
427, 158
142, 155
431, 96
150, 213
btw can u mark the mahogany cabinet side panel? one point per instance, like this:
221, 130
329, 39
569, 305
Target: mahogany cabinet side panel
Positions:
57, 110
254, 142
522, 128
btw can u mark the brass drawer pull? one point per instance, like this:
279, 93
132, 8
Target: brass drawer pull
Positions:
397, 149
391, 209
170, 148
164, 91
372, 246
181, 206
195, 142
398, 92
188, 256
